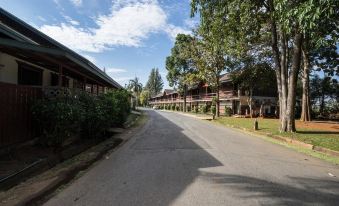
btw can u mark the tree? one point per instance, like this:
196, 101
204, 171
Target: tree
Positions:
180, 65
210, 56
323, 90
135, 87
154, 84
285, 22
144, 97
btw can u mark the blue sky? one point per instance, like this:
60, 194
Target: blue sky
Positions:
127, 37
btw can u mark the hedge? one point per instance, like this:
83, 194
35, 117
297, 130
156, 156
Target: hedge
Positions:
83, 114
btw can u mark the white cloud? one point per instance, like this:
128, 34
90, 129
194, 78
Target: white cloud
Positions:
76, 2
90, 58
41, 18
173, 31
115, 70
128, 24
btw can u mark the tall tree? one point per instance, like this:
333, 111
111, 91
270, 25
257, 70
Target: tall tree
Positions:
135, 87
155, 83
180, 65
284, 22
144, 97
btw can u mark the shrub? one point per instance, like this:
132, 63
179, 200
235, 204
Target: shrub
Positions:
228, 111
95, 120
84, 114
188, 108
177, 108
58, 118
213, 110
173, 107
204, 109
196, 109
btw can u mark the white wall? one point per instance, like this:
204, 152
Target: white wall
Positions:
8, 69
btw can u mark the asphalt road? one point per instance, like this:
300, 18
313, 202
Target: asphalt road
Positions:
180, 160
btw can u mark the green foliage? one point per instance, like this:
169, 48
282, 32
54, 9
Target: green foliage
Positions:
177, 108
59, 119
204, 109
213, 110
179, 64
173, 107
155, 83
188, 108
144, 97
228, 111
196, 109
94, 120
85, 115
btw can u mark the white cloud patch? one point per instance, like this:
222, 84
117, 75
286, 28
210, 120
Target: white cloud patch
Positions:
90, 58
115, 70
128, 24
76, 2
173, 31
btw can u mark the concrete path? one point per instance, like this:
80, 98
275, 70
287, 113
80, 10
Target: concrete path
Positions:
180, 160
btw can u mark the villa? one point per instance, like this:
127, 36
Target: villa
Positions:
264, 102
33, 65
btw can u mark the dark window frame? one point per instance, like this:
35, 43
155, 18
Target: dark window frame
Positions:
24, 67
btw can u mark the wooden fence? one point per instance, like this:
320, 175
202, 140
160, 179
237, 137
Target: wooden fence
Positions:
16, 123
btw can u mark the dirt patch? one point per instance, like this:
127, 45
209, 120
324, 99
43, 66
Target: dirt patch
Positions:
319, 125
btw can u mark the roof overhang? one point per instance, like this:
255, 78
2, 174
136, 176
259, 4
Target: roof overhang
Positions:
55, 58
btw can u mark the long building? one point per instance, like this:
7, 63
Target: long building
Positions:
264, 101
33, 65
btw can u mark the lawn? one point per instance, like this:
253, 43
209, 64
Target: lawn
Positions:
315, 133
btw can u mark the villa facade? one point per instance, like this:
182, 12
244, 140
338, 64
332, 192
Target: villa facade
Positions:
264, 102
33, 65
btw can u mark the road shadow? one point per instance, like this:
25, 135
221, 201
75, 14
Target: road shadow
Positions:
308, 191
166, 158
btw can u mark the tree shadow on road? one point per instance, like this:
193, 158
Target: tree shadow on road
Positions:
308, 191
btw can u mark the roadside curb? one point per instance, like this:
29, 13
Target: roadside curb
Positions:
277, 137
36, 190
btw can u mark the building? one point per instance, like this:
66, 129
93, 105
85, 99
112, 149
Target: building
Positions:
33, 65
264, 101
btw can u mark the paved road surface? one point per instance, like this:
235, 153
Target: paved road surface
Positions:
179, 160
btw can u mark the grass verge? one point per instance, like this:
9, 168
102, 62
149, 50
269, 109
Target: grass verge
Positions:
314, 136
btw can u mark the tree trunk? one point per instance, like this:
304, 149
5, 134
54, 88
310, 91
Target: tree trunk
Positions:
296, 59
284, 82
250, 101
305, 109
185, 94
278, 69
217, 101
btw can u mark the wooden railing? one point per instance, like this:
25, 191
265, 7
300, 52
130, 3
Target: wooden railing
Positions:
16, 123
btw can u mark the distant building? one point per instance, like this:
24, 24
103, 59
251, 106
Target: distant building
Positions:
263, 101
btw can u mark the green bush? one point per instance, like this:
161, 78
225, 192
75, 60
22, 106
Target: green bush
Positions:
58, 118
188, 108
204, 109
83, 114
95, 120
177, 108
228, 111
196, 109
173, 107
213, 110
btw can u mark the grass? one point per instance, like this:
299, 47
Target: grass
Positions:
314, 136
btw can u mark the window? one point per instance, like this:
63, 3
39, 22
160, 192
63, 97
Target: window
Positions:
29, 75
